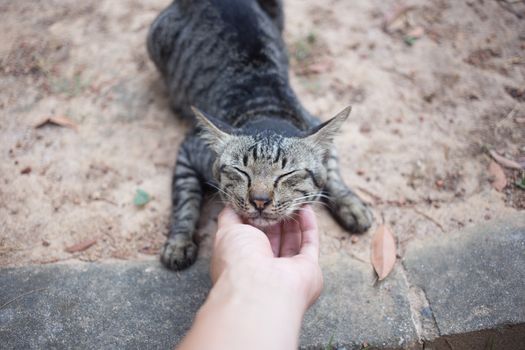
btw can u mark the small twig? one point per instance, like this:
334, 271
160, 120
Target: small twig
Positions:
358, 259
507, 163
374, 196
508, 6
53, 260
21, 296
430, 218
510, 115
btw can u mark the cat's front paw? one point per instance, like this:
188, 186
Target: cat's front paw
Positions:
178, 253
352, 213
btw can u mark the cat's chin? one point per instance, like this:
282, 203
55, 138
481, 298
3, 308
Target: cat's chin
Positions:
261, 222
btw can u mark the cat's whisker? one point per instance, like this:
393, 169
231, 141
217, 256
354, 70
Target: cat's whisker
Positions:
220, 190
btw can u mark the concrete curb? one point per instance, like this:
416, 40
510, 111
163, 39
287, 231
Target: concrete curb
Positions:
462, 292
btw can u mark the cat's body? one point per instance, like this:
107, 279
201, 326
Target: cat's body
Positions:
263, 151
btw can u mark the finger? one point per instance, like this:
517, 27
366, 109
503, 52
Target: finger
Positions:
291, 238
228, 217
274, 236
310, 233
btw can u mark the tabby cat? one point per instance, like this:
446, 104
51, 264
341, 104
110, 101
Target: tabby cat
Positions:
253, 140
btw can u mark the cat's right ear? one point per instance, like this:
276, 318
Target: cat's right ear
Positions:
214, 137
324, 134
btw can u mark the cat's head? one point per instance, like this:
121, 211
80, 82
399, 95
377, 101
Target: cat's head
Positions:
266, 177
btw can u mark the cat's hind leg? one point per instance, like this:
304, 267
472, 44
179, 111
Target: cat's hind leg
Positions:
348, 209
180, 250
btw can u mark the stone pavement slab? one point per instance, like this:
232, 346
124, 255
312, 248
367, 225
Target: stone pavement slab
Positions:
98, 306
467, 287
355, 310
143, 306
474, 279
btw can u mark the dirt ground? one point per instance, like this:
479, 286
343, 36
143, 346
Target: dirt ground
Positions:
433, 89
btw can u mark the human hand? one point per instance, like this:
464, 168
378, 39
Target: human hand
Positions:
262, 285
284, 260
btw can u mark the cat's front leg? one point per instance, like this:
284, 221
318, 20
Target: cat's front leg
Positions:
348, 209
180, 250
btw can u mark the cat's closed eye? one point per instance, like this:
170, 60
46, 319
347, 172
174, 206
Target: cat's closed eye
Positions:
235, 174
284, 177
297, 177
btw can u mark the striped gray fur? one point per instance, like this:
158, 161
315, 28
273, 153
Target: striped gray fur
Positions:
253, 140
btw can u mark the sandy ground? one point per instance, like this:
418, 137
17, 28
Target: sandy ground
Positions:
432, 91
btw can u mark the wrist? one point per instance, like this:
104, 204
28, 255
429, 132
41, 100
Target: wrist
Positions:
252, 310
258, 290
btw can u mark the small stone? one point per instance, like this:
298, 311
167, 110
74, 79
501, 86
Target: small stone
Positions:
426, 312
354, 239
365, 128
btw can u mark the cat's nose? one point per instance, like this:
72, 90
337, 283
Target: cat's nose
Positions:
260, 201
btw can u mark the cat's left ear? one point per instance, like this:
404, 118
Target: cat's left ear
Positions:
323, 134
211, 133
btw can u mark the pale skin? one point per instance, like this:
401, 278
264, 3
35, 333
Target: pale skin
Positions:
263, 283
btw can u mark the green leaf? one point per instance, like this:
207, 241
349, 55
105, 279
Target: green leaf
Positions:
141, 198
521, 184
311, 38
330, 346
410, 40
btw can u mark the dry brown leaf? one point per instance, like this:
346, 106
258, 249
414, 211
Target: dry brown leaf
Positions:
57, 120
81, 246
416, 32
392, 16
26, 170
321, 66
507, 163
499, 180
383, 251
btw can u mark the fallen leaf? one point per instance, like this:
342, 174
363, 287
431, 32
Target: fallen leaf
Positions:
149, 250
507, 163
521, 184
410, 40
26, 170
416, 32
322, 66
499, 180
392, 16
141, 198
81, 246
57, 120
383, 251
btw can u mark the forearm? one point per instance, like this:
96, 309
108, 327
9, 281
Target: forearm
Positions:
257, 315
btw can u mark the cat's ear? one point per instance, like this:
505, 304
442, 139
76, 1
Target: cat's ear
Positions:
323, 134
211, 133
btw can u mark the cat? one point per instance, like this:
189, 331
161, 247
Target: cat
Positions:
226, 68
